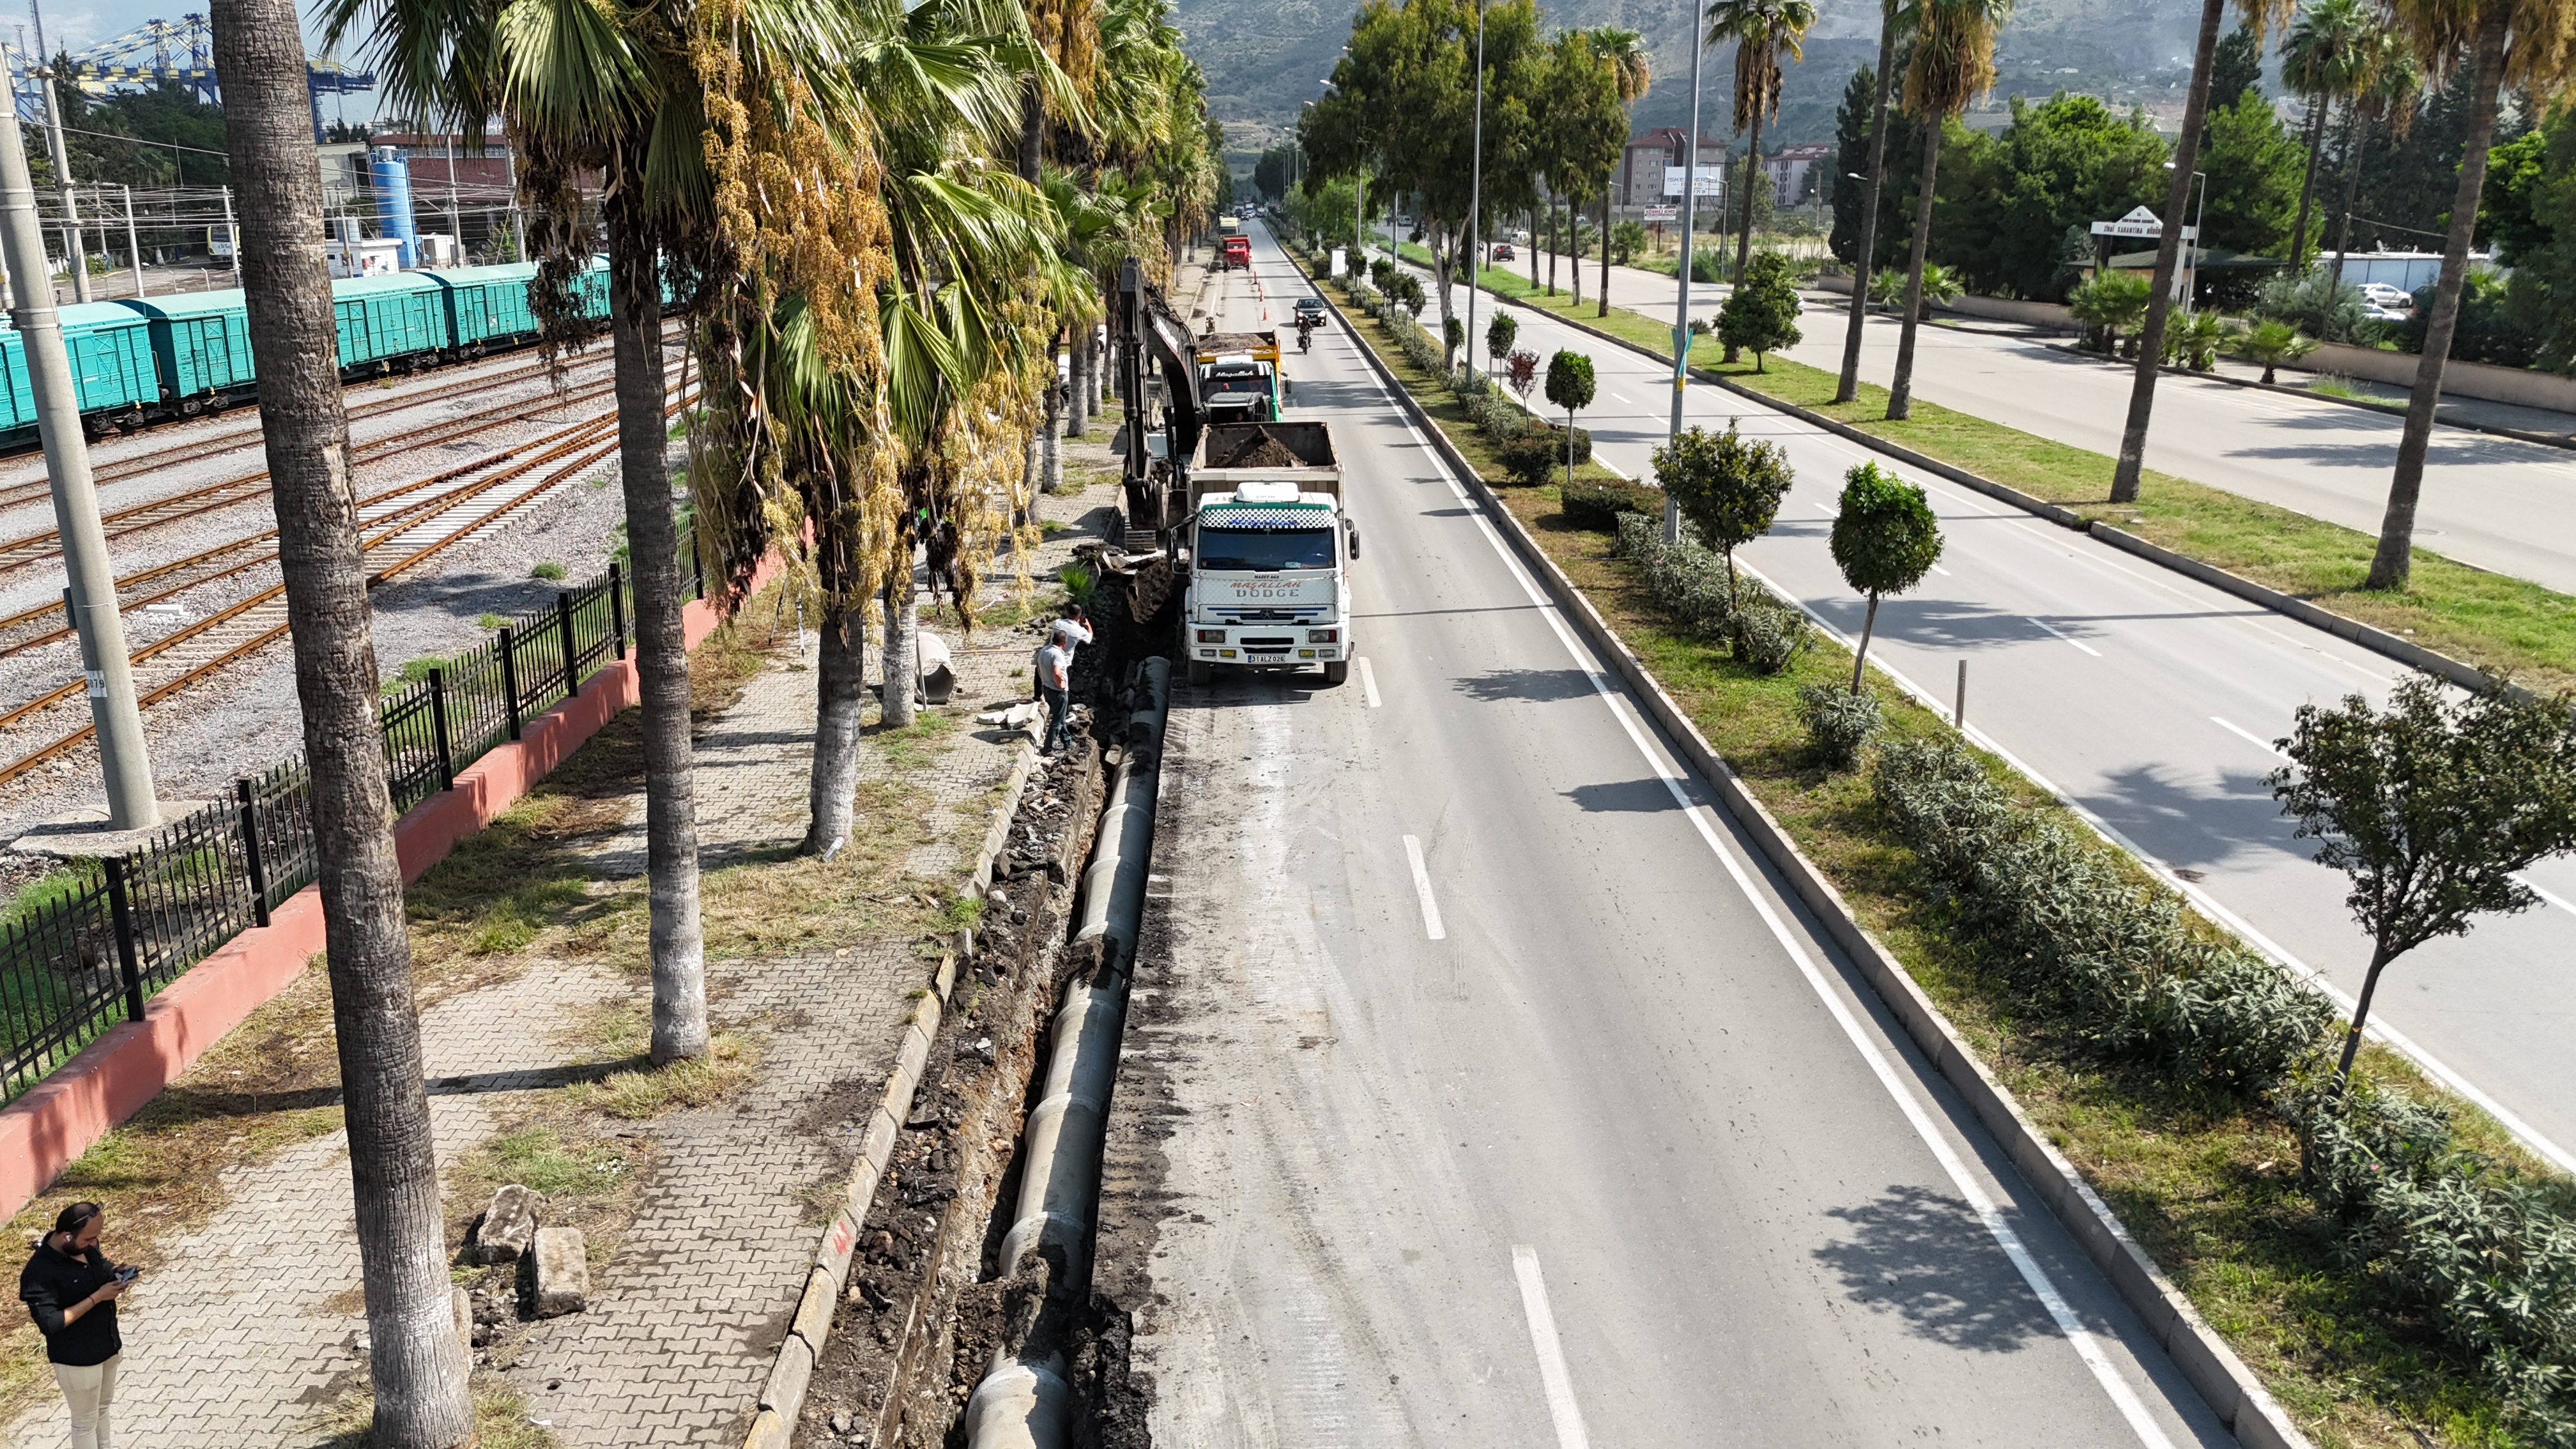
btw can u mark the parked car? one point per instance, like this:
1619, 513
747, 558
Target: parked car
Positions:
2372, 311
2381, 294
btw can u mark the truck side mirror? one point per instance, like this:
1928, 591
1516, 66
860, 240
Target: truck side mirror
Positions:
1351, 531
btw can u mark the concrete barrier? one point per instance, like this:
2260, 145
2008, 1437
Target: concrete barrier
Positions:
111, 1078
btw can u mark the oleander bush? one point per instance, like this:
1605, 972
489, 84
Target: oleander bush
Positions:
1839, 722
1690, 584
1599, 505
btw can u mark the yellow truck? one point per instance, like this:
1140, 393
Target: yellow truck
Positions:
1239, 376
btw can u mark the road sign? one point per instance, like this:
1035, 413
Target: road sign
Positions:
1711, 181
2140, 222
1663, 213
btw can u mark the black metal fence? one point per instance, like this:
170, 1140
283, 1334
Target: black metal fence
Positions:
84, 948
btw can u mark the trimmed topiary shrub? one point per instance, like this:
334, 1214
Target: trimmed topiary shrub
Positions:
1599, 507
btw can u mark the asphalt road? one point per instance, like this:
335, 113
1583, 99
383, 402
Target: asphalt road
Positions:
1510, 1102
2501, 504
2149, 701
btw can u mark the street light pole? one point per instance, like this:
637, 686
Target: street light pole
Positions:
72, 253
1681, 306
2199, 238
91, 597
1476, 194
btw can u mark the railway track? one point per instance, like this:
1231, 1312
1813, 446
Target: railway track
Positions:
33, 548
393, 541
233, 556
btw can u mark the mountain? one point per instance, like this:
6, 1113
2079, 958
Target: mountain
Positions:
1265, 58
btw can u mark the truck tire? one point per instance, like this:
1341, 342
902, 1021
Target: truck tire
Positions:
1337, 671
1199, 672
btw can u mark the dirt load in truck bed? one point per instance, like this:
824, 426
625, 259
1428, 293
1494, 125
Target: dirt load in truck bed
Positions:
1259, 451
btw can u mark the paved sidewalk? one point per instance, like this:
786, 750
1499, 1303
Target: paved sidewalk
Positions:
255, 1326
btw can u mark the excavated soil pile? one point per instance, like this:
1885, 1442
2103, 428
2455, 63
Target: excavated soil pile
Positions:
1263, 451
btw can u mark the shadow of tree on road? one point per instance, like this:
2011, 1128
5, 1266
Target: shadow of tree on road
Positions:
1926, 1258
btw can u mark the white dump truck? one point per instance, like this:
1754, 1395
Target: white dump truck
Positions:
1269, 549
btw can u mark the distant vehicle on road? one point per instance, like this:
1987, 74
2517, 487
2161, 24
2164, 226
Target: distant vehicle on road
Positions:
1310, 307
1238, 252
2381, 294
1503, 252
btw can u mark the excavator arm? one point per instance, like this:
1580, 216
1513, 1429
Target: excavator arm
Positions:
1151, 338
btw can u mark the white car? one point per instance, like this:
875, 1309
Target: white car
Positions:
2386, 297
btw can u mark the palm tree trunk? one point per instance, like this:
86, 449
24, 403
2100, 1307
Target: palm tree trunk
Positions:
1574, 259
2356, 135
1752, 169
1032, 131
1533, 249
414, 1357
661, 652
1051, 432
1555, 242
840, 693
2151, 337
2395, 560
1864, 256
1077, 392
2308, 185
1900, 390
902, 622
1605, 253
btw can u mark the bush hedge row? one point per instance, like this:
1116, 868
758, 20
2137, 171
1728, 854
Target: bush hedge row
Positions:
1690, 584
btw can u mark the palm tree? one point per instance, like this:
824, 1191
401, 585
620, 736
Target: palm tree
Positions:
2259, 16
1891, 19
2322, 60
610, 93
1631, 71
2393, 81
1761, 29
2270, 343
415, 1363
1953, 60
2531, 46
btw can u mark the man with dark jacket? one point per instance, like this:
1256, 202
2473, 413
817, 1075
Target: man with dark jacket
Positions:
70, 1289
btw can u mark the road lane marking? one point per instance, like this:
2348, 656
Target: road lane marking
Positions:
1422, 887
2555, 899
2260, 743
1614, 469
2082, 1339
1945, 573
1368, 682
1552, 1376
2069, 638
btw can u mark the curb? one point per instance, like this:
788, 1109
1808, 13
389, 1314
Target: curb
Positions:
782, 1395
2377, 640
2222, 1380
111, 1079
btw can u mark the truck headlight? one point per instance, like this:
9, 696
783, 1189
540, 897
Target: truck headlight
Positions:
1323, 636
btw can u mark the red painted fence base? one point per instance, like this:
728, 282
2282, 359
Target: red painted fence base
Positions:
60, 1118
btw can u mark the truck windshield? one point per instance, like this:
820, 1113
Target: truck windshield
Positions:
1264, 550
1237, 382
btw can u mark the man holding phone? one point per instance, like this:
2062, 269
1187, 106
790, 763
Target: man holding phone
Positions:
70, 1289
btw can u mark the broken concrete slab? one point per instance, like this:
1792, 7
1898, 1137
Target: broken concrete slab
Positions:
562, 1274
509, 1225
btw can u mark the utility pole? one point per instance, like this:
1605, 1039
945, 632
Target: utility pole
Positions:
1476, 196
133, 244
510, 178
62, 182
91, 599
455, 218
1681, 307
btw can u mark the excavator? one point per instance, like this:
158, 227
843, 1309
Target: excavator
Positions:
1164, 412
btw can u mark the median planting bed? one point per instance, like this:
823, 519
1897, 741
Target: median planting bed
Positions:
2392, 1267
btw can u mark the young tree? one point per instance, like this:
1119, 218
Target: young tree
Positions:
1500, 334
2531, 46
1728, 486
1761, 314
1953, 60
2270, 343
2113, 301
2432, 807
1885, 540
2259, 16
1520, 371
1569, 386
414, 1360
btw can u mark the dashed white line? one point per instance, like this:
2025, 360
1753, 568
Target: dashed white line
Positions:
1614, 469
1368, 682
1422, 887
1553, 1379
2555, 899
2258, 741
2069, 638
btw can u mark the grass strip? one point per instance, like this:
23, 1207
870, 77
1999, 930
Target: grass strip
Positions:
2208, 1183
2501, 624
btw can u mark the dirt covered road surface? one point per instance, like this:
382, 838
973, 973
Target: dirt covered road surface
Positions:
1480, 1086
